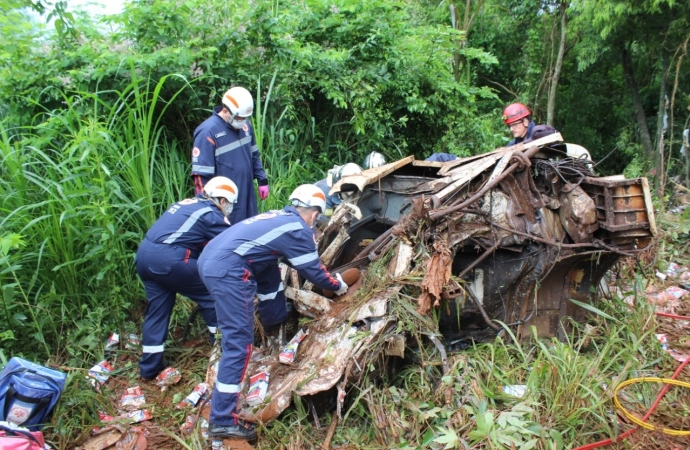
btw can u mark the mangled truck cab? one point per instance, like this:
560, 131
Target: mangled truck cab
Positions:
465, 249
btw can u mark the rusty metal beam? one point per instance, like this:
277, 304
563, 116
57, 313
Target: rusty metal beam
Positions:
479, 194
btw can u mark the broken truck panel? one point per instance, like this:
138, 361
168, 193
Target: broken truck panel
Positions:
509, 236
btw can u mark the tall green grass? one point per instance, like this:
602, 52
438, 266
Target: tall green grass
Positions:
81, 186
286, 145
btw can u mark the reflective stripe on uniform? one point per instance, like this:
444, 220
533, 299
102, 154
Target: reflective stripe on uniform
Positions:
233, 145
255, 148
227, 388
268, 237
213, 330
152, 348
203, 169
188, 224
270, 295
309, 257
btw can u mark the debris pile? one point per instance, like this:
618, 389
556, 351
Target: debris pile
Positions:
503, 239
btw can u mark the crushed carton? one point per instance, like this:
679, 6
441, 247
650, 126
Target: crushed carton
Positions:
105, 417
673, 270
168, 377
188, 426
203, 425
133, 342
99, 374
137, 416
111, 345
132, 399
193, 398
287, 356
258, 386
676, 292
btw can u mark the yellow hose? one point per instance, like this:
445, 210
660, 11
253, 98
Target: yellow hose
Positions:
637, 421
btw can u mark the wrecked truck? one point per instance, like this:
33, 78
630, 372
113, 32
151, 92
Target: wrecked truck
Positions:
452, 253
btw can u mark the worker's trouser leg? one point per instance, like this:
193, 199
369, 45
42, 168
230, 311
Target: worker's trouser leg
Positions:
166, 270
269, 292
233, 288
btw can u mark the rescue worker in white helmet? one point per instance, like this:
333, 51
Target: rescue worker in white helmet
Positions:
374, 159
225, 145
167, 264
334, 175
243, 262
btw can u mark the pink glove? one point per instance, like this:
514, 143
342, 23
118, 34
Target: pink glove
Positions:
263, 192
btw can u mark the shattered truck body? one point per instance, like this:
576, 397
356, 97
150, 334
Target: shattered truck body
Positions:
464, 248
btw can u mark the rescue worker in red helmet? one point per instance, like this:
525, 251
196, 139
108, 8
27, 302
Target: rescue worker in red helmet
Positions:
243, 262
225, 145
518, 118
167, 264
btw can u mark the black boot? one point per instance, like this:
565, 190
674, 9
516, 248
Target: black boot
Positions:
242, 430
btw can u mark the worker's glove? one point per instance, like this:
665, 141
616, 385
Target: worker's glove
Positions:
263, 192
343, 286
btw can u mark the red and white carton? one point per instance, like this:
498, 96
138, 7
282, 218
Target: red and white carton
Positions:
111, 345
258, 386
105, 418
193, 398
137, 416
132, 399
168, 377
99, 374
287, 356
188, 426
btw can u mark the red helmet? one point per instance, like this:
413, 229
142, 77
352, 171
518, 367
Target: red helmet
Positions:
515, 112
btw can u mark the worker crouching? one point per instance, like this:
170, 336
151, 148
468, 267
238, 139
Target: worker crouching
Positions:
167, 264
243, 262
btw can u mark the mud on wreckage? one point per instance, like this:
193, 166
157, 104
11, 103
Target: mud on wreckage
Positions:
453, 252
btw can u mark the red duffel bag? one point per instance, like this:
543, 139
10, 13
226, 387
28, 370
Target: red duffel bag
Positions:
19, 438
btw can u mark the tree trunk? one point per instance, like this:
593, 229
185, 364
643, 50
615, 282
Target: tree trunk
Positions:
646, 139
660, 127
551, 105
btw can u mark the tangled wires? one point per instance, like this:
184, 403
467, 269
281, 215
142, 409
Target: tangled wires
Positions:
570, 170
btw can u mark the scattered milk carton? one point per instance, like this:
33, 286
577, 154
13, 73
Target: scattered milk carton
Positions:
99, 374
132, 399
193, 398
258, 386
287, 356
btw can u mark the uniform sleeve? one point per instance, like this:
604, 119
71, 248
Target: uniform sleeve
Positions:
203, 157
216, 224
302, 255
258, 167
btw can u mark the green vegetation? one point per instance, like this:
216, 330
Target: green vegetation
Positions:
96, 117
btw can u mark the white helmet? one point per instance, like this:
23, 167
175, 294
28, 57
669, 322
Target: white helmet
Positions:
374, 159
239, 102
343, 171
221, 187
310, 196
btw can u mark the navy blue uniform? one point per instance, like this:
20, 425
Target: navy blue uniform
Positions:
167, 264
331, 200
442, 157
241, 262
221, 150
